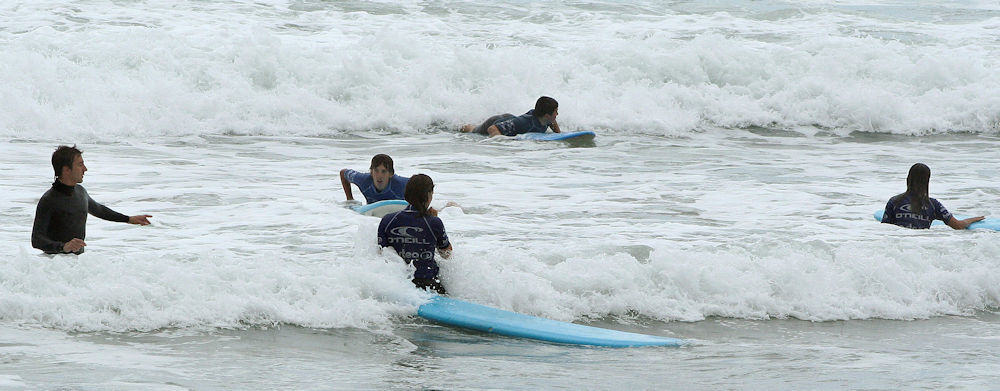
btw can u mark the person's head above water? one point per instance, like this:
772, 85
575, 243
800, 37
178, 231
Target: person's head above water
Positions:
381, 170
384, 161
64, 163
419, 193
546, 106
917, 185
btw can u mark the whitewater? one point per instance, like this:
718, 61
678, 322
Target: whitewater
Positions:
727, 198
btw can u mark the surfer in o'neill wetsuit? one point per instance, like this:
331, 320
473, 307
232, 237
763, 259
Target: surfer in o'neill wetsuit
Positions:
416, 233
537, 120
61, 216
915, 209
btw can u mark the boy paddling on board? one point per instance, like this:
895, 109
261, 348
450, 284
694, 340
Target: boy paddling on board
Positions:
537, 120
60, 224
915, 209
378, 184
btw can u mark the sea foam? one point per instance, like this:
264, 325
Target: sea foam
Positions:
810, 281
284, 69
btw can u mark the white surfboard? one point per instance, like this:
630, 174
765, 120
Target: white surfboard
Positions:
381, 208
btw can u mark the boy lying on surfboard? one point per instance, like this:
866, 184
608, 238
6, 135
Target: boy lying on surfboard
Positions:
537, 120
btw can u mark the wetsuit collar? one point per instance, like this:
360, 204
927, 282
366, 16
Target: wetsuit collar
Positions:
534, 119
63, 188
410, 209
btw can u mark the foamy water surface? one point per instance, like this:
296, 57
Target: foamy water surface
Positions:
111, 70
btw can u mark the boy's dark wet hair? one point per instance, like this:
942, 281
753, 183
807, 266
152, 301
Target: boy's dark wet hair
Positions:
545, 105
416, 193
382, 160
64, 157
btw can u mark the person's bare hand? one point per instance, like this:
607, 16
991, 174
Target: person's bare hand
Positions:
74, 245
139, 219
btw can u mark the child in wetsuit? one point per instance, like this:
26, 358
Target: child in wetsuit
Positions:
915, 209
416, 233
537, 120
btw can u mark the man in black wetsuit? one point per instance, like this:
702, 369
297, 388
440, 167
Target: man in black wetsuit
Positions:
61, 216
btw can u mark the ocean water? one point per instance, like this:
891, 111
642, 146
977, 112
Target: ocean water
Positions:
742, 148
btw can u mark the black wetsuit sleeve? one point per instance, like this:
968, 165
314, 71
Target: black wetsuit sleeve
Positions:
103, 212
39, 238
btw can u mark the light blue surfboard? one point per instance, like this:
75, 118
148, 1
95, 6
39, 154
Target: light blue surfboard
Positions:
460, 313
988, 223
381, 208
556, 136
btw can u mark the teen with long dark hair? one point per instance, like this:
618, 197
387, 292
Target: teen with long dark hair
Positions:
416, 233
916, 209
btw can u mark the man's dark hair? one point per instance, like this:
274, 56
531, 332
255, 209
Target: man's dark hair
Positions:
64, 157
382, 160
416, 193
545, 105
